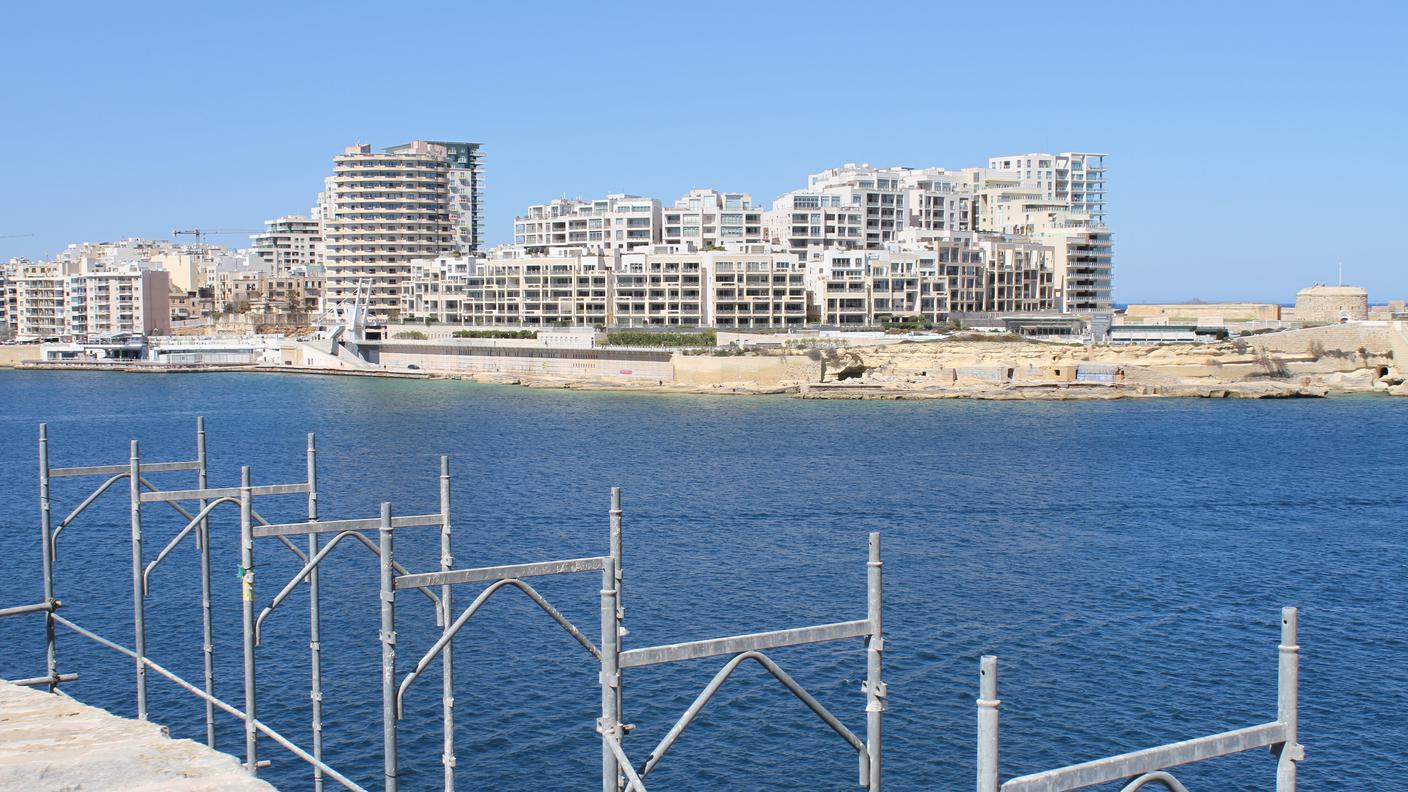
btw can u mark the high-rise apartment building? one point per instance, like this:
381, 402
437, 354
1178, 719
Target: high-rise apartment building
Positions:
382, 210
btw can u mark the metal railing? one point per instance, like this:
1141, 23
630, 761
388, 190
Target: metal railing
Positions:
608, 654
1151, 765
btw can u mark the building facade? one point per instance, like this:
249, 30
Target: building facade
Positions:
708, 219
616, 222
380, 211
292, 243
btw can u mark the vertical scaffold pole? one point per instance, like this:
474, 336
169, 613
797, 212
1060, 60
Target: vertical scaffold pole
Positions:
874, 664
388, 649
988, 735
618, 561
206, 625
46, 554
1287, 702
610, 724
251, 734
139, 627
447, 689
315, 649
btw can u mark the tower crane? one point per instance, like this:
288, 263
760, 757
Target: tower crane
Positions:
201, 233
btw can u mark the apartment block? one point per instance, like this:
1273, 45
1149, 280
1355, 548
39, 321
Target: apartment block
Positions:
867, 288
127, 298
708, 219
264, 292
88, 299
616, 222
292, 243
380, 211
1074, 179
754, 286
853, 206
8, 271
660, 288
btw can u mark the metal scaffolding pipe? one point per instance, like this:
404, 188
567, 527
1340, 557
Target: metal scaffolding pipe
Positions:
207, 629
447, 678
875, 692
139, 626
610, 723
219, 704
315, 651
988, 735
388, 649
251, 736
1287, 702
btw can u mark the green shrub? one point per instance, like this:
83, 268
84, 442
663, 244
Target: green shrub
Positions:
413, 335
643, 338
495, 334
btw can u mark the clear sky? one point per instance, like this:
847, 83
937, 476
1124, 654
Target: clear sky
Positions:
1252, 146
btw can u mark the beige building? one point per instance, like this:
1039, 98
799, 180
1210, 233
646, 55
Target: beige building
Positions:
40, 300
292, 243
86, 299
1330, 304
261, 292
1202, 314
868, 288
754, 286
382, 210
664, 287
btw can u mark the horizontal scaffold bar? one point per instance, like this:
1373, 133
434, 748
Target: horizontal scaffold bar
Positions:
223, 492
482, 574
37, 681
1116, 768
337, 526
113, 470
35, 608
734, 644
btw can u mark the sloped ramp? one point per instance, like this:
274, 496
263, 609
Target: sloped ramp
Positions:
51, 743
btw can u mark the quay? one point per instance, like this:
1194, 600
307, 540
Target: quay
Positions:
51, 742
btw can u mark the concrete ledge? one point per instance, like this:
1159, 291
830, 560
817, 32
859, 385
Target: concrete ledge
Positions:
51, 743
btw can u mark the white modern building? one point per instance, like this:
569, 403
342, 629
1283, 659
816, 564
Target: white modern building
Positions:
616, 222
1075, 179
709, 219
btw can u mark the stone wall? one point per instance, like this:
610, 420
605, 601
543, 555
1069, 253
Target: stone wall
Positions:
10, 354
766, 371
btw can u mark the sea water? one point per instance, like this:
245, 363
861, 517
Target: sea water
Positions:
1126, 561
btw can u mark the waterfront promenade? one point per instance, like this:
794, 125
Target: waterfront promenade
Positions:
51, 742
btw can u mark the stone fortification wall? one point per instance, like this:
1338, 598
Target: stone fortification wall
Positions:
767, 371
634, 364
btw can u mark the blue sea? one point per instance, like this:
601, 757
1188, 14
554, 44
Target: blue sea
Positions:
1126, 561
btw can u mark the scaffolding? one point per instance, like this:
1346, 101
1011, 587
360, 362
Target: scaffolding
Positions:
607, 653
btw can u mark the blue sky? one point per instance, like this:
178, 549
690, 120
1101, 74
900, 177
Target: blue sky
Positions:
1252, 145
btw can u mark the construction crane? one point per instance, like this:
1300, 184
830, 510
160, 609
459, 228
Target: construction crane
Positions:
201, 233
